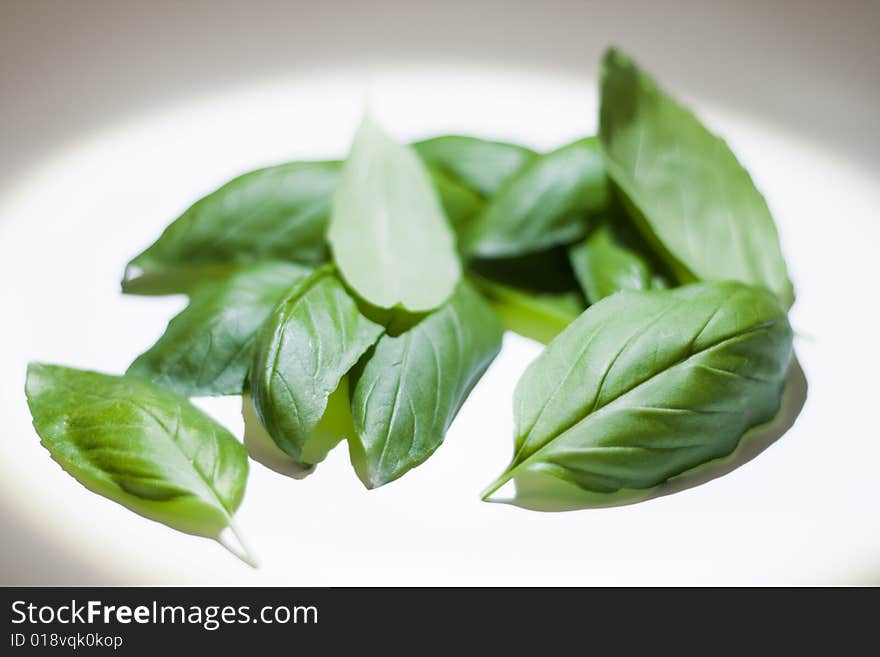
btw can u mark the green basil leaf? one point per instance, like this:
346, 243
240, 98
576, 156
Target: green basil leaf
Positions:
408, 390
647, 385
545, 204
207, 349
333, 426
308, 344
604, 266
481, 165
688, 192
140, 445
389, 236
460, 203
535, 315
277, 213
612, 258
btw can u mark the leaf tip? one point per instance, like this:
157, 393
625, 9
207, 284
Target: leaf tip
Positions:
34, 380
374, 480
615, 56
239, 546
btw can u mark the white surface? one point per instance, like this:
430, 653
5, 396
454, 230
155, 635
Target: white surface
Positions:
805, 511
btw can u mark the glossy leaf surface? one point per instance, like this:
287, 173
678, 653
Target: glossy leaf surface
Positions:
140, 445
309, 343
647, 385
408, 391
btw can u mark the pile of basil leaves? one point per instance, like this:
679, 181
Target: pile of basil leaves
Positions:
363, 300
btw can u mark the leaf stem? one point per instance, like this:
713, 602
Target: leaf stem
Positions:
506, 476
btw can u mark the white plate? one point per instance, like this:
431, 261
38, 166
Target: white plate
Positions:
805, 511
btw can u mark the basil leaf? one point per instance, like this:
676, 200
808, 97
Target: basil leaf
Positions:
334, 425
307, 346
140, 445
278, 213
207, 349
647, 385
407, 392
535, 315
481, 165
545, 204
389, 236
688, 192
604, 266
611, 259
460, 203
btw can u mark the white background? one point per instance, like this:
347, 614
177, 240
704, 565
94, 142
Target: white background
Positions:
112, 126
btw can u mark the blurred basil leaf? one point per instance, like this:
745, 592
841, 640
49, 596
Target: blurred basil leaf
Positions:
545, 204
547, 271
686, 189
460, 203
389, 235
540, 316
613, 257
277, 213
479, 164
